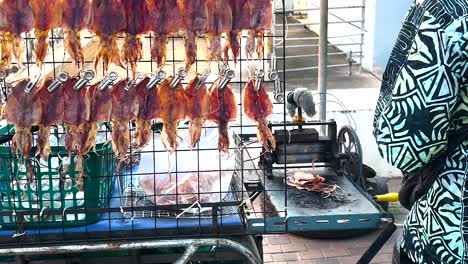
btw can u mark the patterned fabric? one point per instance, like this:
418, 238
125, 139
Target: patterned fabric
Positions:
423, 100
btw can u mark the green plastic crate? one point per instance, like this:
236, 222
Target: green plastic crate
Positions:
55, 186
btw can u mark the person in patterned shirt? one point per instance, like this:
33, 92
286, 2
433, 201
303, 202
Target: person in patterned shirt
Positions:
421, 118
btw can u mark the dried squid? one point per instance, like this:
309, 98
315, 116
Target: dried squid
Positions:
223, 111
198, 108
219, 21
172, 109
47, 16
136, 12
241, 14
194, 22
75, 117
76, 17
148, 110
165, 19
258, 107
24, 110
52, 114
261, 21
108, 23
19, 19
100, 111
124, 108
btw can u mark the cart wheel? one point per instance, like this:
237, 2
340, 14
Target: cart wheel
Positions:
378, 186
350, 152
368, 172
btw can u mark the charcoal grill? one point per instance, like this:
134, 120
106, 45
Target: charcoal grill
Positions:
336, 156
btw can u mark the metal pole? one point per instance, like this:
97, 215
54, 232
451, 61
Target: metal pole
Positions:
323, 62
20, 252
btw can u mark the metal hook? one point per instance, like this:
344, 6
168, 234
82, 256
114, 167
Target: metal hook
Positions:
226, 79
179, 77
109, 80
61, 78
156, 79
203, 78
259, 75
32, 83
132, 83
87, 76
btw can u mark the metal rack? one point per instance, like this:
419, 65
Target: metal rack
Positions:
234, 216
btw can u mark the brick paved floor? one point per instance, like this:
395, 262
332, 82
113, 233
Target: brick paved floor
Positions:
296, 249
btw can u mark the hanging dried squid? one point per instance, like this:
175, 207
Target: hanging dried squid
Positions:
47, 15
223, 111
136, 12
261, 22
24, 110
194, 22
148, 110
77, 15
258, 107
125, 106
219, 22
198, 108
165, 20
108, 22
172, 109
19, 19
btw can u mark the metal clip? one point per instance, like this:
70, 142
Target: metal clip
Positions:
87, 76
132, 83
32, 83
156, 79
278, 92
203, 78
3, 74
179, 77
226, 79
61, 78
109, 80
259, 74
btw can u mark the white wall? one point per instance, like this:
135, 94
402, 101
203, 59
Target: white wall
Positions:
389, 16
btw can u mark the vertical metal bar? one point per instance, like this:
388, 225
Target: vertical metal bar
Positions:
283, 79
363, 29
323, 62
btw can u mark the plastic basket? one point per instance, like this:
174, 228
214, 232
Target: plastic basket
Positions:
55, 185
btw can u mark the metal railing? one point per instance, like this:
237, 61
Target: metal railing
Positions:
346, 29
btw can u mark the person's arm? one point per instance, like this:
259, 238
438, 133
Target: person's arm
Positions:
412, 123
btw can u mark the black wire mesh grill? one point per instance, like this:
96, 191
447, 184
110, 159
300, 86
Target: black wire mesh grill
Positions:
112, 201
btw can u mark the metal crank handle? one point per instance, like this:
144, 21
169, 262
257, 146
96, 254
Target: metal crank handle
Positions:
108, 81
156, 79
87, 76
61, 78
